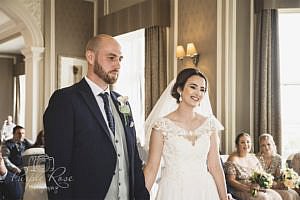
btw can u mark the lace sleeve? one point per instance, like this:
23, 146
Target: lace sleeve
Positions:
161, 126
229, 168
214, 124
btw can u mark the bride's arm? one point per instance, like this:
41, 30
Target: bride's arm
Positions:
154, 156
215, 168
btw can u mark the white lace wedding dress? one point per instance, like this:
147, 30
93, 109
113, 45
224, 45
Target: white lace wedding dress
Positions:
184, 173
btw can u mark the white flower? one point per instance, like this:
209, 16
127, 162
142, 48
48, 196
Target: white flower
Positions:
122, 100
124, 107
289, 178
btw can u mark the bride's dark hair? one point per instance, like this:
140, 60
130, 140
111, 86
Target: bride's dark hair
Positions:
181, 79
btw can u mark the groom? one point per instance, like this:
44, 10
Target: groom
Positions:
92, 142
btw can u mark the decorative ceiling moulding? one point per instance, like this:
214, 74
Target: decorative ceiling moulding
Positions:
275, 4
142, 15
35, 7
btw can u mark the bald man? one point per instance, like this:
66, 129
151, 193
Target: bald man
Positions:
90, 141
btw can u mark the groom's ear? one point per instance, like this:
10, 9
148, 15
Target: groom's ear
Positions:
90, 56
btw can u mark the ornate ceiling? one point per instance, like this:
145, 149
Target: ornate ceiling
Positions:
11, 40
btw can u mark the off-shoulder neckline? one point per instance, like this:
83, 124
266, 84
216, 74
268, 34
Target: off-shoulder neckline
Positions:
180, 127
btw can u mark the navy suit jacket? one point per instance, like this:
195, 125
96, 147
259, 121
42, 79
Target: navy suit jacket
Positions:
10, 187
82, 158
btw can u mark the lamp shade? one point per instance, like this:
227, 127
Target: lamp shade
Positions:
191, 50
180, 52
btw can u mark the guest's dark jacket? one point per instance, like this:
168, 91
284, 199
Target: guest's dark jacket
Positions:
12, 153
10, 188
78, 140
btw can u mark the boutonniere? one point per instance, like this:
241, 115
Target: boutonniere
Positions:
124, 108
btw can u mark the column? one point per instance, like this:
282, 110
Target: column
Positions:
34, 86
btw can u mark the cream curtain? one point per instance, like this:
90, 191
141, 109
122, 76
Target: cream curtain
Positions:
17, 100
155, 65
267, 111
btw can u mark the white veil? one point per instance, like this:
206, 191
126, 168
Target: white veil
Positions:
167, 104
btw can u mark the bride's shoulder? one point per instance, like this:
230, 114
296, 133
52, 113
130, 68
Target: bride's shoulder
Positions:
161, 123
171, 115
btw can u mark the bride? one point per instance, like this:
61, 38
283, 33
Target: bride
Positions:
187, 140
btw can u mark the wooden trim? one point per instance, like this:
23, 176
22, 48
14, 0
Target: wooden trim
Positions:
275, 4
145, 14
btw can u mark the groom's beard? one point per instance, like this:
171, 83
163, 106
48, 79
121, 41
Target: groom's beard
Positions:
106, 76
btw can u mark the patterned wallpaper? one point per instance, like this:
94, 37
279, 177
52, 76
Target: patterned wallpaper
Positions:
6, 88
74, 26
116, 5
197, 22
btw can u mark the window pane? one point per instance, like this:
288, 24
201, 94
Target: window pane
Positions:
289, 44
131, 81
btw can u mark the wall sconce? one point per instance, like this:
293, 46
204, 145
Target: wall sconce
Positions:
191, 52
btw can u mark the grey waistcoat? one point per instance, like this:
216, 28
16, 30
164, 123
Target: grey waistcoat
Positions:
119, 187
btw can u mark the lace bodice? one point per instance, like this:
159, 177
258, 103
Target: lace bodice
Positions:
186, 151
274, 165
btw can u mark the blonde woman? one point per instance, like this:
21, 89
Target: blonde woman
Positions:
239, 168
271, 162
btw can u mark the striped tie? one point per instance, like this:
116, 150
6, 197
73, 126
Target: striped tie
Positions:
109, 115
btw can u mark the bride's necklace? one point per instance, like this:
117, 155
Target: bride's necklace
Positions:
191, 136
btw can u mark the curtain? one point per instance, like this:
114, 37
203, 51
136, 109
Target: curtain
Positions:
131, 80
155, 65
267, 113
17, 100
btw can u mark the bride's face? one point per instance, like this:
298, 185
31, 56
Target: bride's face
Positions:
194, 90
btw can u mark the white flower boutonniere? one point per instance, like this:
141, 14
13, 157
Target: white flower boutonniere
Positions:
124, 108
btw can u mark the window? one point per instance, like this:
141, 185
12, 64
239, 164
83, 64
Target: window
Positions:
131, 81
289, 43
19, 99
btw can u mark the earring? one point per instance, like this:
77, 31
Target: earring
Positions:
180, 98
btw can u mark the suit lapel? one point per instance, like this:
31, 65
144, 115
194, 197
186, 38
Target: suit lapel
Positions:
92, 104
129, 134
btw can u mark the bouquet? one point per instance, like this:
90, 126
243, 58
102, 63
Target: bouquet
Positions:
289, 178
263, 179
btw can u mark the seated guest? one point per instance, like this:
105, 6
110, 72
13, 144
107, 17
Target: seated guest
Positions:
238, 169
13, 149
271, 162
295, 162
9, 187
229, 192
7, 129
